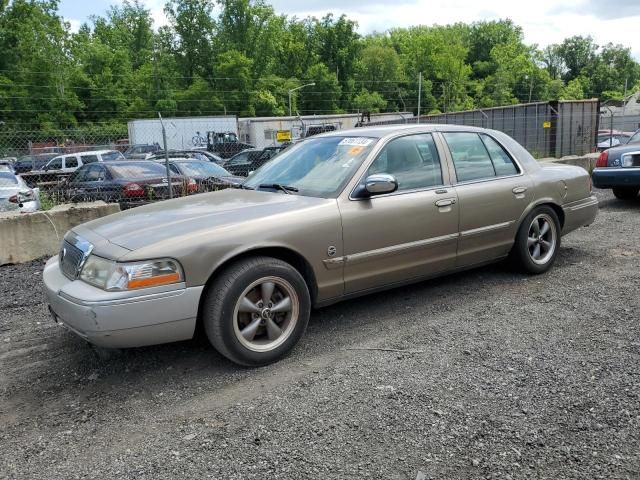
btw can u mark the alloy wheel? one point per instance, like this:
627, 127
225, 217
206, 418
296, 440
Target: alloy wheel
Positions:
542, 239
265, 314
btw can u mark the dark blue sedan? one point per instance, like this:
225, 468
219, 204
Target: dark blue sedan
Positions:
618, 168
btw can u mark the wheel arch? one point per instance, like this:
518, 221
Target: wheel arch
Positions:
286, 254
548, 202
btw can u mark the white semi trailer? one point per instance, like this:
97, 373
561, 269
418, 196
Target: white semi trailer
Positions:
182, 132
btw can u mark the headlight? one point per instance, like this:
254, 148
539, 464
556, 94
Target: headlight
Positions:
110, 275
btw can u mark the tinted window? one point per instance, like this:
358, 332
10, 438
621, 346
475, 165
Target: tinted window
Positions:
202, 169
79, 175
413, 160
70, 162
635, 138
138, 170
502, 162
112, 156
89, 158
55, 164
94, 173
470, 157
240, 159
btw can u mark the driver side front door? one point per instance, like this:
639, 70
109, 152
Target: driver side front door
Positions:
411, 233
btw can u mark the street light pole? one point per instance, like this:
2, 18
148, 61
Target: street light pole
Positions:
298, 88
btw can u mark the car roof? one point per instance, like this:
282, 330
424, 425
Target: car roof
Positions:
84, 152
388, 130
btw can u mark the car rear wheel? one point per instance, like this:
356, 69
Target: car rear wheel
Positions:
256, 311
537, 242
626, 193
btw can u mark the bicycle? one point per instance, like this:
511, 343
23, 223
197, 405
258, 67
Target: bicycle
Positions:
198, 140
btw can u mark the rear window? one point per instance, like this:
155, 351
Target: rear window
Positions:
89, 158
138, 170
200, 168
109, 156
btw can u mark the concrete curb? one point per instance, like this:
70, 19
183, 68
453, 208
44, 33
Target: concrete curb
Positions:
27, 236
588, 161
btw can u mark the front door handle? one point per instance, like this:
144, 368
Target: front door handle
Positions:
445, 202
519, 190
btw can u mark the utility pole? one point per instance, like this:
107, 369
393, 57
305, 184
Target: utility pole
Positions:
298, 88
166, 156
419, 94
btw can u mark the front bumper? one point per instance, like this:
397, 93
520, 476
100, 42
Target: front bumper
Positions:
614, 177
121, 319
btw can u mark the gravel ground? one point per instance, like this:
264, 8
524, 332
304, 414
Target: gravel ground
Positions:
502, 376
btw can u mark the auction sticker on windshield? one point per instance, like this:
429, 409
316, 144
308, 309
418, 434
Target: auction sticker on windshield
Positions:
356, 141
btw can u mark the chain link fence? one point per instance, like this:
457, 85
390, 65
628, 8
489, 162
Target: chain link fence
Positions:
128, 163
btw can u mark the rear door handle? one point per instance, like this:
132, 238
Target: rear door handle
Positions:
445, 202
519, 190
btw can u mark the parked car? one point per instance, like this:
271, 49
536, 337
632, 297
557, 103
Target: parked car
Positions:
15, 195
339, 215
141, 152
208, 176
130, 183
608, 141
618, 168
197, 154
32, 162
247, 161
71, 162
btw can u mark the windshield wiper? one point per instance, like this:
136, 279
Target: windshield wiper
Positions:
245, 187
277, 186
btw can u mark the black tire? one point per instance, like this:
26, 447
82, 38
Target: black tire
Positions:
224, 322
626, 193
523, 252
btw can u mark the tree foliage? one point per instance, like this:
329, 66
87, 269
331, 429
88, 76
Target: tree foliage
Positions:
241, 57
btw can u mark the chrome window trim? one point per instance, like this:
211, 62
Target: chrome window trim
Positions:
376, 152
480, 180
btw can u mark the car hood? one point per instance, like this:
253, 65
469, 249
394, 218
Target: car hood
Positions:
152, 224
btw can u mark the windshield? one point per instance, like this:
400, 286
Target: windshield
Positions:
635, 138
202, 169
317, 167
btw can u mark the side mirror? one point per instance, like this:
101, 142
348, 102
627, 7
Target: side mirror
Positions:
377, 184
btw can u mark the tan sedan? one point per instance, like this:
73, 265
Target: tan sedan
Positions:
336, 216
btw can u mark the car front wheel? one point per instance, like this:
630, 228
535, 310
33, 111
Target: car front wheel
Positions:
626, 193
256, 310
538, 241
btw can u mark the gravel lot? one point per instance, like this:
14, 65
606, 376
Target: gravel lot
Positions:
502, 376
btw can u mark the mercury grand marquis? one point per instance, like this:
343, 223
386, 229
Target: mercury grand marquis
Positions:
336, 216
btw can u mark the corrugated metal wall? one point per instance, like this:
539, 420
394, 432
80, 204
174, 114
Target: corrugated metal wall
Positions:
546, 129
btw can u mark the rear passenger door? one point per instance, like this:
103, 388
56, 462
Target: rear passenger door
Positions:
492, 192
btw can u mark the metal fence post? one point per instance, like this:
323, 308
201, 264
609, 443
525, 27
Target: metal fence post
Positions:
166, 156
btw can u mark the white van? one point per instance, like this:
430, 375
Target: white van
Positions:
70, 162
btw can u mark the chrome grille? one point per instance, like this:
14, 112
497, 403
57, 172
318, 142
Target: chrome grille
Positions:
71, 259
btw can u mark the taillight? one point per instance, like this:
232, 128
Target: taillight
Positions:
133, 190
603, 160
13, 199
192, 186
